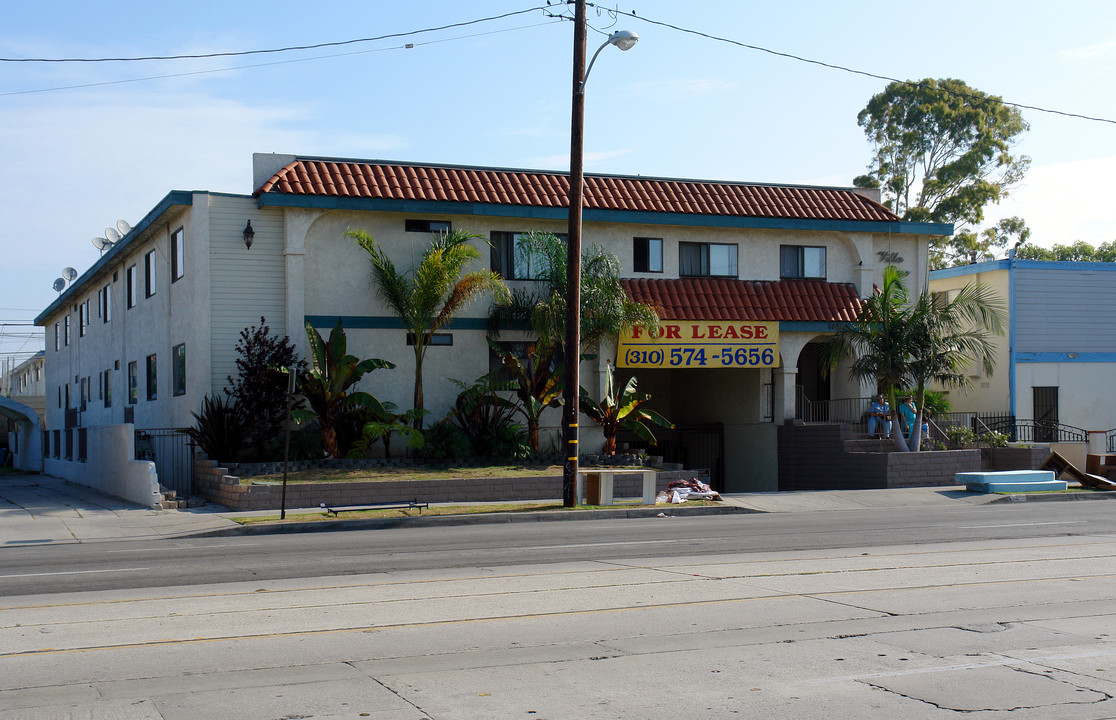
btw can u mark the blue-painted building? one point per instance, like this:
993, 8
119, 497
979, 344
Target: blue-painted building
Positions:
1057, 361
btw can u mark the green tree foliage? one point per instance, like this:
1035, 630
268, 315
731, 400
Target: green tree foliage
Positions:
605, 308
896, 342
942, 150
1079, 251
967, 247
327, 385
620, 408
260, 386
536, 382
427, 297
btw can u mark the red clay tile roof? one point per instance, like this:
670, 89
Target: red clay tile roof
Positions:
722, 299
546, 189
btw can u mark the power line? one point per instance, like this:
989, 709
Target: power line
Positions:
407, 46
236, 53
853, 71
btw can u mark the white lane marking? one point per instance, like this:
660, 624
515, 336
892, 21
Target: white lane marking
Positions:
74, 572
603, 544
188, 547
979, 527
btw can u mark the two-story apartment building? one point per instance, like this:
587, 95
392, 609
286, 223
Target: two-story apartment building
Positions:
150, 329
1058, 359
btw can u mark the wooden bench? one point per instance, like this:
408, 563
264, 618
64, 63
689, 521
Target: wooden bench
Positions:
401, 505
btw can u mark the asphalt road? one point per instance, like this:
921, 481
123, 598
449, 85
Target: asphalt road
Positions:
176, 562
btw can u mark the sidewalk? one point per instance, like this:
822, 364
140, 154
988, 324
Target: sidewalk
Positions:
40, 509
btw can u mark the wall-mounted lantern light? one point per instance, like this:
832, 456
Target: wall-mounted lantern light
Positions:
249, 234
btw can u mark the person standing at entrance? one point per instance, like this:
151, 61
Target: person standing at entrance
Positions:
879, 417
907, 412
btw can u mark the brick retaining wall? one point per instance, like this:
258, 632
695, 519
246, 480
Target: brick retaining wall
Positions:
216, 485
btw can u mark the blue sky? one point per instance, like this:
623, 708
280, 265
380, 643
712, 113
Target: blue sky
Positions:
497, 94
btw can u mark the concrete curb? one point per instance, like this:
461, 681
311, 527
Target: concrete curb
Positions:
1054, 497
273, 528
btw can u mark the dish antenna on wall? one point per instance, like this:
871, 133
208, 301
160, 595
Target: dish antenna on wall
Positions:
123, 227
112, 235
100, 243
59, 285
69, 273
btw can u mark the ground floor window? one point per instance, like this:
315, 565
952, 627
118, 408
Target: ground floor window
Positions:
178, 369
152, 378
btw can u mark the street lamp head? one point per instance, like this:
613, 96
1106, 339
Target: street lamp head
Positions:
623, 39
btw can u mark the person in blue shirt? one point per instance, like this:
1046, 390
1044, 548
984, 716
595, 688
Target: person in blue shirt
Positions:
879, 417
907, 412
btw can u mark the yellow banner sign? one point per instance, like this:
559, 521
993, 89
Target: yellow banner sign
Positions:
701, 344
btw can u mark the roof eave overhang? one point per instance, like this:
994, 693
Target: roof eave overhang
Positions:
175, 198
330, 202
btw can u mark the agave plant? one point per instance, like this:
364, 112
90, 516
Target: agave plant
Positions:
221, 428
326, 385
621, 409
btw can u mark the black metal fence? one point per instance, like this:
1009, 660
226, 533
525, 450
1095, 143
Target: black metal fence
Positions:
1023, 430
1110, 441
172, 451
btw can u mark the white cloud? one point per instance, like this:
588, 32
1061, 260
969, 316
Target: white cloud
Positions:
1098, 51
1064, 203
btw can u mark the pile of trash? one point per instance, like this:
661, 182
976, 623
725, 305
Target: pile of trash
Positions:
679, 491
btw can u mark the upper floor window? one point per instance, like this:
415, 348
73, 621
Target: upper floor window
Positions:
83, 317
149, 274
106, 303
706, 259
57, 335
152, 378
133, 383
130, 282
66, 330
514, 260
647, 254
178, 370
801, 261
428, 226
178, 254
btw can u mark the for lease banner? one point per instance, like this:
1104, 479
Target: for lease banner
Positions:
701, 344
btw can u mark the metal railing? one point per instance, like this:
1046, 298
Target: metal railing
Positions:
1110, 440
848, 411
1023, 430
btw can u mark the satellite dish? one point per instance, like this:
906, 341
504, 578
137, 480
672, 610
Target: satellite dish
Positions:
69, 273
112, 234
59, 285
123, 227
99, 243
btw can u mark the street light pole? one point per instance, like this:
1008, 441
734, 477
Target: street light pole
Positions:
623, 40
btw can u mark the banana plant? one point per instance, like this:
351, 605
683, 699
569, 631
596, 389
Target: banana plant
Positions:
326, 385
621, 409
536, 382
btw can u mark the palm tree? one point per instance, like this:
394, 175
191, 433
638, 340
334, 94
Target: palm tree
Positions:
898, 344
326, 385
606, 309
947, 336
427, 297
879, 342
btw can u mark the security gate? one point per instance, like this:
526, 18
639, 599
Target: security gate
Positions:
172, 451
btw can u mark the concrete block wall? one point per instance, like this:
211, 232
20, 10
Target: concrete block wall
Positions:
824, 457
216, 485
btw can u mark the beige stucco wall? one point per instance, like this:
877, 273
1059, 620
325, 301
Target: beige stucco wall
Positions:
987, 393
1086, 392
